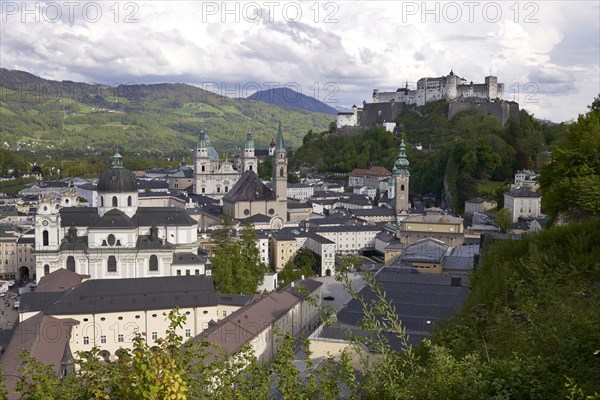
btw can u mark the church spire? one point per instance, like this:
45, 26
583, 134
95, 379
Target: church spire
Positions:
280, 145
401, 164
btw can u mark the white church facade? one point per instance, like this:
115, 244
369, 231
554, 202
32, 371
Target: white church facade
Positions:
215, 178
118, 238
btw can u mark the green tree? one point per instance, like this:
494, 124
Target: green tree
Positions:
503, 219
572, 180
237, 267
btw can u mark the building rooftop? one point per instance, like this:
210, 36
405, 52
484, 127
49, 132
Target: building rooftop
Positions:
120, 295
249, 188
522, 192
421, 301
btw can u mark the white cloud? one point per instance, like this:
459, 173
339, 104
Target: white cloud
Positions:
374, 44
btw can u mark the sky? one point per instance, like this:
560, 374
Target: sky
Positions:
547, 53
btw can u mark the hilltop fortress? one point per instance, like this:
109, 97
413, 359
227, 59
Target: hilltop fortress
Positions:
458, 92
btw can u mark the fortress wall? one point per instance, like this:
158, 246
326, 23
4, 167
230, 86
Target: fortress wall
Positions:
502, 111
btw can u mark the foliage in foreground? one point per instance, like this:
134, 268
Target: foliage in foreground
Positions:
529, 330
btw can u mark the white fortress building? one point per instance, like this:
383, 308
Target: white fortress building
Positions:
458, 92
449, 88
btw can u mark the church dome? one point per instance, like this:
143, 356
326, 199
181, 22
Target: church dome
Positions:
212, 154
117, 179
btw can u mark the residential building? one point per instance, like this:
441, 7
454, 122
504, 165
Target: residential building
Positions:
523, 203
263, 321
433, 224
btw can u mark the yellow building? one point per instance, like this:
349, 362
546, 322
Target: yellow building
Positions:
432, 225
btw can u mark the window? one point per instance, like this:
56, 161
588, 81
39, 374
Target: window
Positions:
120, 338
203, 168
218, 189
103, 339
101, 201
224, 313
71, 263
402, 187
154, 335
226, 189
203, 190
111, 240
129, 201
46, 269
178, 272
112, 264
86, 340
197, 272
187, 271
153, 263
281, 171
188, 333
45, 238
114, 201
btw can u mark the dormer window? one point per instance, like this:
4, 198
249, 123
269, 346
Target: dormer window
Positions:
111, 240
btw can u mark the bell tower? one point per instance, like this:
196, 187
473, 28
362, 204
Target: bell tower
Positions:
249, 162
280, 175
401, 178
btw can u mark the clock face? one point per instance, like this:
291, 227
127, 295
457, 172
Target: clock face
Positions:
45, 222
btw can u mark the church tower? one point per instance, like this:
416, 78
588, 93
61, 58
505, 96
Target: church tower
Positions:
201, 164
401, 178
249, 162
280, 175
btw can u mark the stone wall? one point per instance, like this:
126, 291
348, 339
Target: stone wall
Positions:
502, 110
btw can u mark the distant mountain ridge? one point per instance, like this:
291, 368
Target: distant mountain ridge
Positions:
287, 97
163, 117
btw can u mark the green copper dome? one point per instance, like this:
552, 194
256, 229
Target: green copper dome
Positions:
249, 142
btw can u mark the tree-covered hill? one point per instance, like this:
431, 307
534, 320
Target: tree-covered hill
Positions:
158, 118
464, 152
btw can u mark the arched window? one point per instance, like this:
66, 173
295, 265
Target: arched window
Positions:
402, 187
45, 238
71, 263
153, 263
112, 264
250, 168
129, 201
218, 189
226, 189
114, 201
281, 172
46, 269
203, 168
101, 201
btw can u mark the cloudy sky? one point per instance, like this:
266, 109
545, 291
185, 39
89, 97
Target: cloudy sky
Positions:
547, 53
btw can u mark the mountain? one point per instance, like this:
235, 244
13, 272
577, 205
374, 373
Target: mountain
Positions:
43, 114
286, 97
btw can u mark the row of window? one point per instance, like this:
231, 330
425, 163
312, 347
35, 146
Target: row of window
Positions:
111, 264
121, 337
115, 201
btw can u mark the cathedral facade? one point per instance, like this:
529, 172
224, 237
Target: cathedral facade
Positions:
215, 178
117, 239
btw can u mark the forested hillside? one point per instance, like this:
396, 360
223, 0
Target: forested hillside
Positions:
157, 118
472, 152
